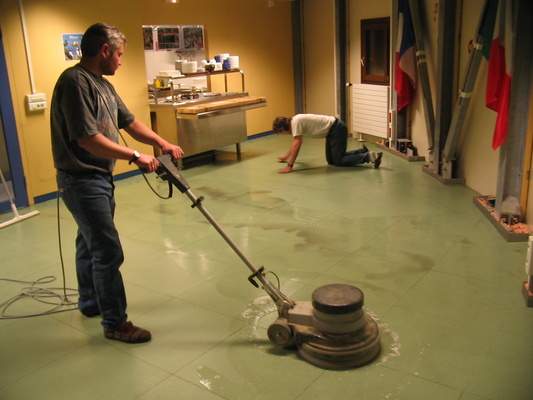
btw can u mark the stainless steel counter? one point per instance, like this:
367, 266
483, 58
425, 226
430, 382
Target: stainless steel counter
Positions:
206, 123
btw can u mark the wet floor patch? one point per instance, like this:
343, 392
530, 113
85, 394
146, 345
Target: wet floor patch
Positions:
262, 312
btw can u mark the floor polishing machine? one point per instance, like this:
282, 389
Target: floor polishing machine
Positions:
332, 331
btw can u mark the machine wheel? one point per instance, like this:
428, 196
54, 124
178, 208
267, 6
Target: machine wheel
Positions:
280, 333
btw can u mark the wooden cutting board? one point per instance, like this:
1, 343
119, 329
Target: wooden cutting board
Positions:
220, 104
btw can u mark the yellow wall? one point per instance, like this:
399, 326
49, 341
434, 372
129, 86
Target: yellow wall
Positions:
258, 34
478, 163
319, 57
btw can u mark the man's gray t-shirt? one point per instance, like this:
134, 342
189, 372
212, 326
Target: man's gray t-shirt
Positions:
84, 104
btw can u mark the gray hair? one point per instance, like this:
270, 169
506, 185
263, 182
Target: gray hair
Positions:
99, 34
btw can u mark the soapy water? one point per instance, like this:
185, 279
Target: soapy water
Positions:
391, 338
263, 312
259, 307
217, 382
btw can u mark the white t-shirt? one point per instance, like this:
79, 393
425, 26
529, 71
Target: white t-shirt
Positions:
311, 125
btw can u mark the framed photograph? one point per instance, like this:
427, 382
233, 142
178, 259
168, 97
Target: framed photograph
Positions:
168, 37
193, 37
148, 38
71, 46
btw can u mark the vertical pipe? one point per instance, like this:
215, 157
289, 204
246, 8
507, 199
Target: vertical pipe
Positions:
341, 48
26, 46
446, 77
424, 75
297, 43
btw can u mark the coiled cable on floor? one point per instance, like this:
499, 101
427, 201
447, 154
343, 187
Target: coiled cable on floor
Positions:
52, 296
55, 296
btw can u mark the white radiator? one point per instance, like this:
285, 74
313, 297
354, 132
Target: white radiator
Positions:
370, 112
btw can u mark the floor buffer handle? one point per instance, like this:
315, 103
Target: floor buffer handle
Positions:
168, 171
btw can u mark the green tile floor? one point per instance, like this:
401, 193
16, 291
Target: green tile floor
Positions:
443, 284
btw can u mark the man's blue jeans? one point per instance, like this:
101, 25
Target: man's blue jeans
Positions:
336, 144
90, 199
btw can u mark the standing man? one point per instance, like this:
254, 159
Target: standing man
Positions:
317, 127
86, 115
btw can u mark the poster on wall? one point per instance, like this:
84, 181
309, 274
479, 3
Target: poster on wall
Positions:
168, 37
193, 37
71, 46
148, 38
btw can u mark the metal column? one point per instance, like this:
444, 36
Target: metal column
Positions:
463, 101
446, 84
511, 165
429, 113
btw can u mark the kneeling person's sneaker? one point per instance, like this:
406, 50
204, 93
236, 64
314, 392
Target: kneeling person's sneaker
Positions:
377, 161
129, 333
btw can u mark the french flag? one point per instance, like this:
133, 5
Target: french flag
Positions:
498, 91
405, 60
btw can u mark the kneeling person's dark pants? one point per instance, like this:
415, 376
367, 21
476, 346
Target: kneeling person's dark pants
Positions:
336, 143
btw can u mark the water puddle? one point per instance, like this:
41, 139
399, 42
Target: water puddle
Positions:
215, 382
390, 340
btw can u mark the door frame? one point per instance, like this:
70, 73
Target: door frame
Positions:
7, 112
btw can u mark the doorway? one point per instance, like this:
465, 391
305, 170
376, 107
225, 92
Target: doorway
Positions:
10, 160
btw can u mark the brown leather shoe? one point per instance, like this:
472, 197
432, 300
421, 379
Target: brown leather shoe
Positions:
129, 333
